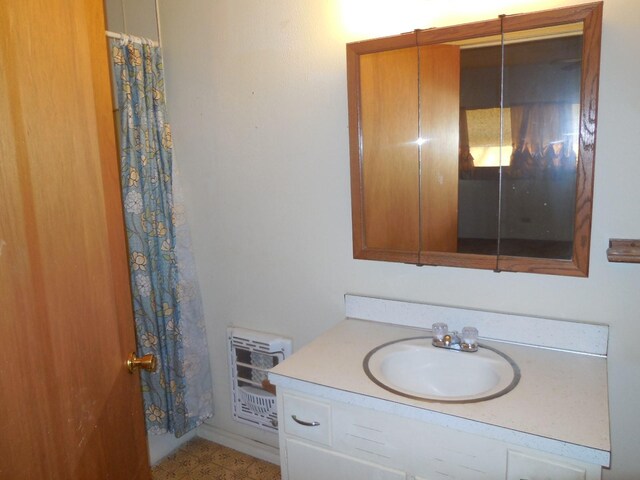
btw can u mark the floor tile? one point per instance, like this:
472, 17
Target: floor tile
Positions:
200, 459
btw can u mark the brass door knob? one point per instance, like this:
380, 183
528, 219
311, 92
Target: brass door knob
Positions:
147, 362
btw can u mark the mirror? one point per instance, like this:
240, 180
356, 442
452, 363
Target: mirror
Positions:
473, 145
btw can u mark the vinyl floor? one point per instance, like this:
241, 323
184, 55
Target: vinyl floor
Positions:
200, 459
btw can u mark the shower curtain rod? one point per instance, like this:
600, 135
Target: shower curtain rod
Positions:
131, 37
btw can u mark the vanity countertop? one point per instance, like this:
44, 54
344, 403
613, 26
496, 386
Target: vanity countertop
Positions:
559, 406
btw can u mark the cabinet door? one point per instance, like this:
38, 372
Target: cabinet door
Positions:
307, 462
526, 467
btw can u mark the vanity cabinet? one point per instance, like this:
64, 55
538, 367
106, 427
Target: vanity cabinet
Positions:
329, 439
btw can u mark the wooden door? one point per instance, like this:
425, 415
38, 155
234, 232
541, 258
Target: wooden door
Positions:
68, 407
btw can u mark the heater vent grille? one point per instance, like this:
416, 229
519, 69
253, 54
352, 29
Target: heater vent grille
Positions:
251, 355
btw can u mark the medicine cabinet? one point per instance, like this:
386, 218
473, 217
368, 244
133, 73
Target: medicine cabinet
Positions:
474, 145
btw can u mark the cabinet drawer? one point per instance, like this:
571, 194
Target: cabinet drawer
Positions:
308, 419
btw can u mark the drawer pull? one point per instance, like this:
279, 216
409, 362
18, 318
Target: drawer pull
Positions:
302, 422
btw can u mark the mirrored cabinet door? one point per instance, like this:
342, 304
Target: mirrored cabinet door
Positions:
541, 75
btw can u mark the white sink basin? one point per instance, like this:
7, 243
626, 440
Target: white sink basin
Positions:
414, 368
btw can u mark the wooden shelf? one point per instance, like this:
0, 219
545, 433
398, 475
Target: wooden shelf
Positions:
625, 251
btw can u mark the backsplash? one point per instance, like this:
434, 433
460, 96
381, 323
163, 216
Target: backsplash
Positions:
541, 332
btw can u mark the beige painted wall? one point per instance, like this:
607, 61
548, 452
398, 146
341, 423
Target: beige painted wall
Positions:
257, 98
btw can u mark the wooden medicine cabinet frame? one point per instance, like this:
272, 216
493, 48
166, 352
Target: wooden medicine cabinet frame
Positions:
590, 15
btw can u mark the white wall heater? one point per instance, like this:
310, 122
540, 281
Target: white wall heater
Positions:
251, 355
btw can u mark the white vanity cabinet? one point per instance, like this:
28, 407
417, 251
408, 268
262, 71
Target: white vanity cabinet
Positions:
336, 423
322, 439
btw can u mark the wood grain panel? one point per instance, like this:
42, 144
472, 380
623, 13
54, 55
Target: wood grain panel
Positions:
587, 145
389, 130
554, 16
456, 33
383, 44
439, 126
69, 409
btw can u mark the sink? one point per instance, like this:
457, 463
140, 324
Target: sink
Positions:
414, 368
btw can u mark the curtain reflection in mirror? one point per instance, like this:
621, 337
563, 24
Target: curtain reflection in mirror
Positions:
543, 140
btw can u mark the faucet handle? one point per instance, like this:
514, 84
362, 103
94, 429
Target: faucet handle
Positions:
470, 336
439, 330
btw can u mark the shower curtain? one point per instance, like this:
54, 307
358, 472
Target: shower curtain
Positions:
168, 312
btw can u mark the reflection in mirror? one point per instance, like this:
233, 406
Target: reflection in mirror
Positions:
439, 100
480, 148
542, 94
538, 152
389, 113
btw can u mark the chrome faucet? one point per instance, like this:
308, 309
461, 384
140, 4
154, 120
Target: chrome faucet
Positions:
465, 342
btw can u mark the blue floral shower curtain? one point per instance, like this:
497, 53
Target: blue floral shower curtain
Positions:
166, 299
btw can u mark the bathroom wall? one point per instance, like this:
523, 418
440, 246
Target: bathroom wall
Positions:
257, 99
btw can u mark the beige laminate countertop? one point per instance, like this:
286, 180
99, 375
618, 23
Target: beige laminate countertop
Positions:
560, 404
